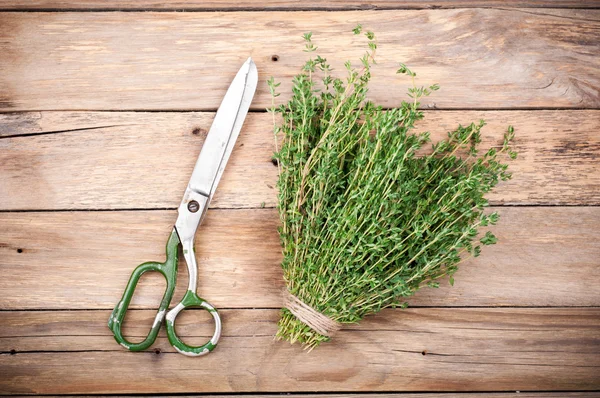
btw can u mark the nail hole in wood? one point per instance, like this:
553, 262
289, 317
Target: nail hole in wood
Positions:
274, 58
19, 251
13, 352
157, 351
424, 352
198, 131
274, 161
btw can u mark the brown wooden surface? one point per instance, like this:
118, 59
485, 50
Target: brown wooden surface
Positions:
83, 260
482, 58
132, 160
86, 194
465, 350
211, 5
516, 394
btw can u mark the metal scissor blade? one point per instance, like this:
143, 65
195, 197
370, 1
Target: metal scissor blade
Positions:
224, 131
212, 161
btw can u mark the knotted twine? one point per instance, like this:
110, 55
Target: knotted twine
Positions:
318, 322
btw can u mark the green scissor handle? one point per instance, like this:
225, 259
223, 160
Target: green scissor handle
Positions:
169, 270
191, 299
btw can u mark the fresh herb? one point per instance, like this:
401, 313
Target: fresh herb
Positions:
367, 215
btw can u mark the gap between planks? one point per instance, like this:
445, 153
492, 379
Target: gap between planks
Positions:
245, 208
277, 5
264, 111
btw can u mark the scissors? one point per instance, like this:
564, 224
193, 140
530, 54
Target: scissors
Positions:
209, 167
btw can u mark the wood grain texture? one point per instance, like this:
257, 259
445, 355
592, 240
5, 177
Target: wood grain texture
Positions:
82, 260
412, 350
63, 271
212, 5
114, 160
133, 160
515, 394
483, 58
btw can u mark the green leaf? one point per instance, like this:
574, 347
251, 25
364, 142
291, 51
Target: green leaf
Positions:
488, 239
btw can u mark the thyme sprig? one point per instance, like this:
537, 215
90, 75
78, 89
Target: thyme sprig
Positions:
366, 218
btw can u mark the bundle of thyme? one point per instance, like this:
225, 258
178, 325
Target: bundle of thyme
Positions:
366, 217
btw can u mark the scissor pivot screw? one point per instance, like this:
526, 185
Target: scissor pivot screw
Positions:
193, 206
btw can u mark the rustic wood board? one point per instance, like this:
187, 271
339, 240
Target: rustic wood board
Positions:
545, 257
289, 5
516, 394
465, 350
86, 194
483, 58
132, 160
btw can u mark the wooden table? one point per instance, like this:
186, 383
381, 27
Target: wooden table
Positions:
104, 113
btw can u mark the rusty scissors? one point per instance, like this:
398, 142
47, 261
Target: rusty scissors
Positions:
209, 167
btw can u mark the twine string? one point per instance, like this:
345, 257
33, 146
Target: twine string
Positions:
318, 322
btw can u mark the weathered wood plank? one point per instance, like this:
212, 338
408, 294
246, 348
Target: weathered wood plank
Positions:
82, 260
516, 394
133, 160
113, 160
212, 5
465, 350
483, 58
